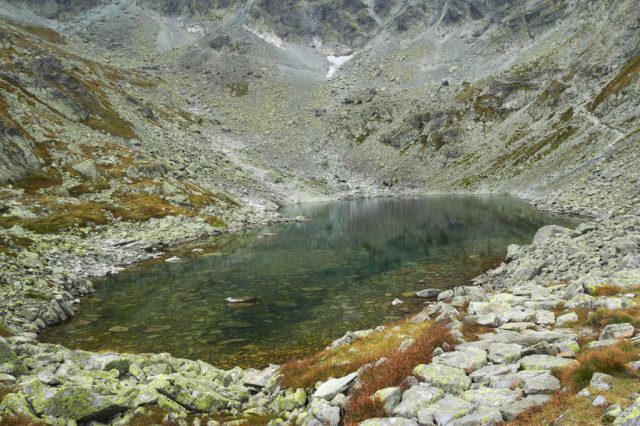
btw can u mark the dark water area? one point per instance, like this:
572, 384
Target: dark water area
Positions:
311, 282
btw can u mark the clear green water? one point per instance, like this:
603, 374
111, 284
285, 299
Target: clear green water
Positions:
312, 281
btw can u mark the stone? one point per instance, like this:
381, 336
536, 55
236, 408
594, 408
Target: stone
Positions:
630, 416
390, 398
513, 410
584, 393
469, 359
549, 232
542, 384
545, 362
617, 331
87, 168
16, 405
260, 378
9, 357
482, 417
504, 353
596, 344
391, 421
611, 413
599, 401
490, 397
445, 410
602, 382
449, 379
428, 293
325, 413
415, 398
80, 403
485, 374
332, 387
543, 317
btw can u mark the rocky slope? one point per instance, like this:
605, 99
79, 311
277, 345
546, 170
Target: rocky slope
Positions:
127, 126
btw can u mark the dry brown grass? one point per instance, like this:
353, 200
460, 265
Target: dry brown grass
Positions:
472, 332
544, 414
608, 290
611, 360
19, 421
152, 416
393, 372
565, 408
306, 372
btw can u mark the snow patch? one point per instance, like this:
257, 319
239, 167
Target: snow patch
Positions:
270, 38
335, 63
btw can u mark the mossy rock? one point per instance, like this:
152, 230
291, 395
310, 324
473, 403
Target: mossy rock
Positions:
8, 356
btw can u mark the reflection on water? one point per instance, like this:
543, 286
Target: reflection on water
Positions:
311, 281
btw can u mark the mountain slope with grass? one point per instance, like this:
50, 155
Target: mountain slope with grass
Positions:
129, 126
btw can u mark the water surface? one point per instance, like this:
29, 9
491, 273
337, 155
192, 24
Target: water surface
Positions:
312, 281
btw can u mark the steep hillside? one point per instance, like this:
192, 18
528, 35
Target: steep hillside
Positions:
129, 126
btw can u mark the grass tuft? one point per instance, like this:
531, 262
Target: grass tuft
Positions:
611, 360
393, 372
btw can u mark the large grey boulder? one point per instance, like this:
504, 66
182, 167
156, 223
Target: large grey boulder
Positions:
548, 233
490, 397
545, 362
415, 398
470, 359
504, 353
325, 413
617, 331
445, 411
73, 402
541, 384
329, 389
485, 374
449, 379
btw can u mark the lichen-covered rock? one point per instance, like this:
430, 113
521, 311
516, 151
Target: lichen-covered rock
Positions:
415, 398
445, 410
630, 416
617, 331
504, 353
9, 357
390, 398
71, 402
601, 381
545, 362
16, 404
449, 379
485, 374
324, 412
493, 398
541, 384
482, 417
469, 359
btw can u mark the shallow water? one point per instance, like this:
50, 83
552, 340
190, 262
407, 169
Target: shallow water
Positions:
312, 281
